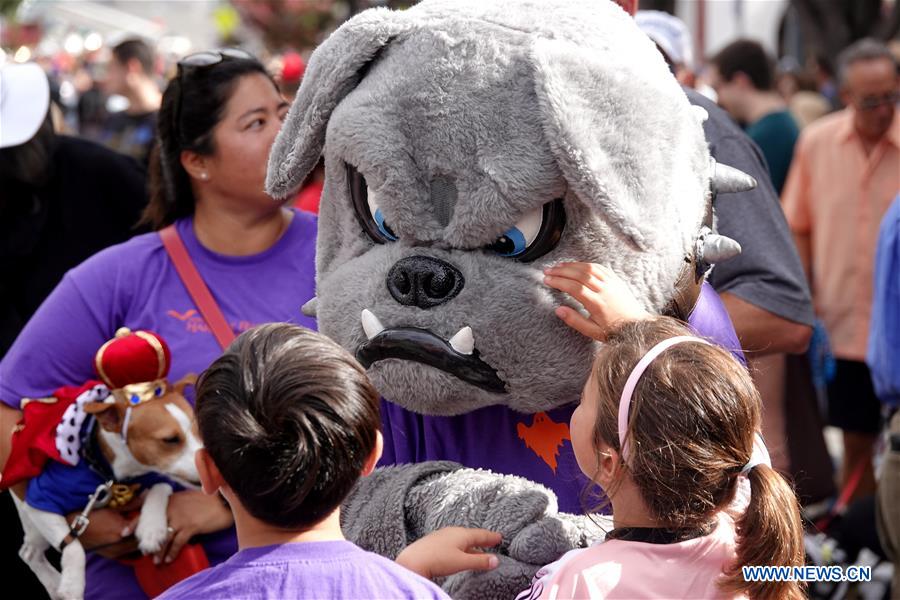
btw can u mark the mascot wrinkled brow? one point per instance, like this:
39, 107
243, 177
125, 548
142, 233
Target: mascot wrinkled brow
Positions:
468, 145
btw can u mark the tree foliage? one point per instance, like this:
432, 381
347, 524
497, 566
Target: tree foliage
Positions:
8, 7
301, 24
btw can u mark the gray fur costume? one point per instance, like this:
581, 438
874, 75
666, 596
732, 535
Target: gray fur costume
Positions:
469, 144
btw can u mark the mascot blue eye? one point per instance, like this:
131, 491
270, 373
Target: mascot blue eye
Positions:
382, 226
368, 212
159, 390
135, 399
537, 233
517, 239
511, 243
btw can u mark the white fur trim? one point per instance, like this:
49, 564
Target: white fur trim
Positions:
68, 431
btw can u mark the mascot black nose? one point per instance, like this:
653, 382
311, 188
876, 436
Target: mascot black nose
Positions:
424, 281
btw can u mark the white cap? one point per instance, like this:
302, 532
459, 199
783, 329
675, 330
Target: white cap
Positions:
24, 100
669, 33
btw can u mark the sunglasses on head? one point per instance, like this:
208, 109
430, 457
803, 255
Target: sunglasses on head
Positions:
208, 58
199, 60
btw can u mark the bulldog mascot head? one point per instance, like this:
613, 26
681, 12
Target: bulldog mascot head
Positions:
467, 145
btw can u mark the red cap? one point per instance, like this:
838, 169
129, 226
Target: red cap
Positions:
292, 67
132, 357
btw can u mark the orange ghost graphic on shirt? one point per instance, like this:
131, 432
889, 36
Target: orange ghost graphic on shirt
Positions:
544, 437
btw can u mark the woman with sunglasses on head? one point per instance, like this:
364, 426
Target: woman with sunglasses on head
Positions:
218, 119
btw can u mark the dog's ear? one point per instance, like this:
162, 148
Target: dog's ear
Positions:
189, 379
615, 132
109, 413
334, 70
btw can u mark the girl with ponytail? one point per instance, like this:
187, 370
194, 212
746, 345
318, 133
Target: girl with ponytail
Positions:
667, 426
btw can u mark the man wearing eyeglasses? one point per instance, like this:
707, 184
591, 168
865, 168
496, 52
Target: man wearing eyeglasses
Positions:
846, 171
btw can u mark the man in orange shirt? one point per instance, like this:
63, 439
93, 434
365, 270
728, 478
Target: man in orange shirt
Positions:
846, 171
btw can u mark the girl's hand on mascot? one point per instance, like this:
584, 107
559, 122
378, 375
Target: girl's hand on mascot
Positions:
190, 513
604, 295
451, 550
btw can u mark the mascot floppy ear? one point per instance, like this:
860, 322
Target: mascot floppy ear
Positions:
589, 97
334, 71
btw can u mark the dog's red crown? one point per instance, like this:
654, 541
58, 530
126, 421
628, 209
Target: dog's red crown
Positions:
132, 357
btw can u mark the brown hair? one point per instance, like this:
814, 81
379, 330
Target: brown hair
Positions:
290, 419
135, 49
747, 57
693, 418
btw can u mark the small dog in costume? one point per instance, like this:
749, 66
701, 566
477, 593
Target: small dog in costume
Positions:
98, 445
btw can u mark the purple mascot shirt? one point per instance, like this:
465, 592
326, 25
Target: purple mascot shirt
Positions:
135, 285
303, 571
534, 446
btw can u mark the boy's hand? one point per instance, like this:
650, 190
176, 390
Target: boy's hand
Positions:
190, 513
450, 550
603, 294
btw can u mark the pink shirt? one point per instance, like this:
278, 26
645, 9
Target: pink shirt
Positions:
837, 194
635, 570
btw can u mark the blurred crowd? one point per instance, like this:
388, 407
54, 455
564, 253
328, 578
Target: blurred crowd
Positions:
826, 132
111, 94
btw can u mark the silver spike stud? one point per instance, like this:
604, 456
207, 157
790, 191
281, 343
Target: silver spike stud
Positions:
309, 308
717, 248
727, 180
700, 113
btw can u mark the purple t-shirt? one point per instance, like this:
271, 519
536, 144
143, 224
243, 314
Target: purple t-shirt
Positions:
135, 285
336, 569
496, 437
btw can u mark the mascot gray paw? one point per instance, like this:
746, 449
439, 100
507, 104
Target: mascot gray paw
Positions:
395, 506
545, 540
506, 581
534, 546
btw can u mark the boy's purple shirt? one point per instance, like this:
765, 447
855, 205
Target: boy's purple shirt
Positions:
497, 438
335, 569
135, 285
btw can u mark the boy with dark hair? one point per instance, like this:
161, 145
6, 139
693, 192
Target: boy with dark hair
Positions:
289, 423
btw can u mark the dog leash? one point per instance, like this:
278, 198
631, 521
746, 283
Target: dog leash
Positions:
105, 492
98, 499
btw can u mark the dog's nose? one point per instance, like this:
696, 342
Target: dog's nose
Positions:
424, 281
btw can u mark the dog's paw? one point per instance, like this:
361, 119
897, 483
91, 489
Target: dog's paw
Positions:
29, 553
33, 556
151, 536
71, 587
